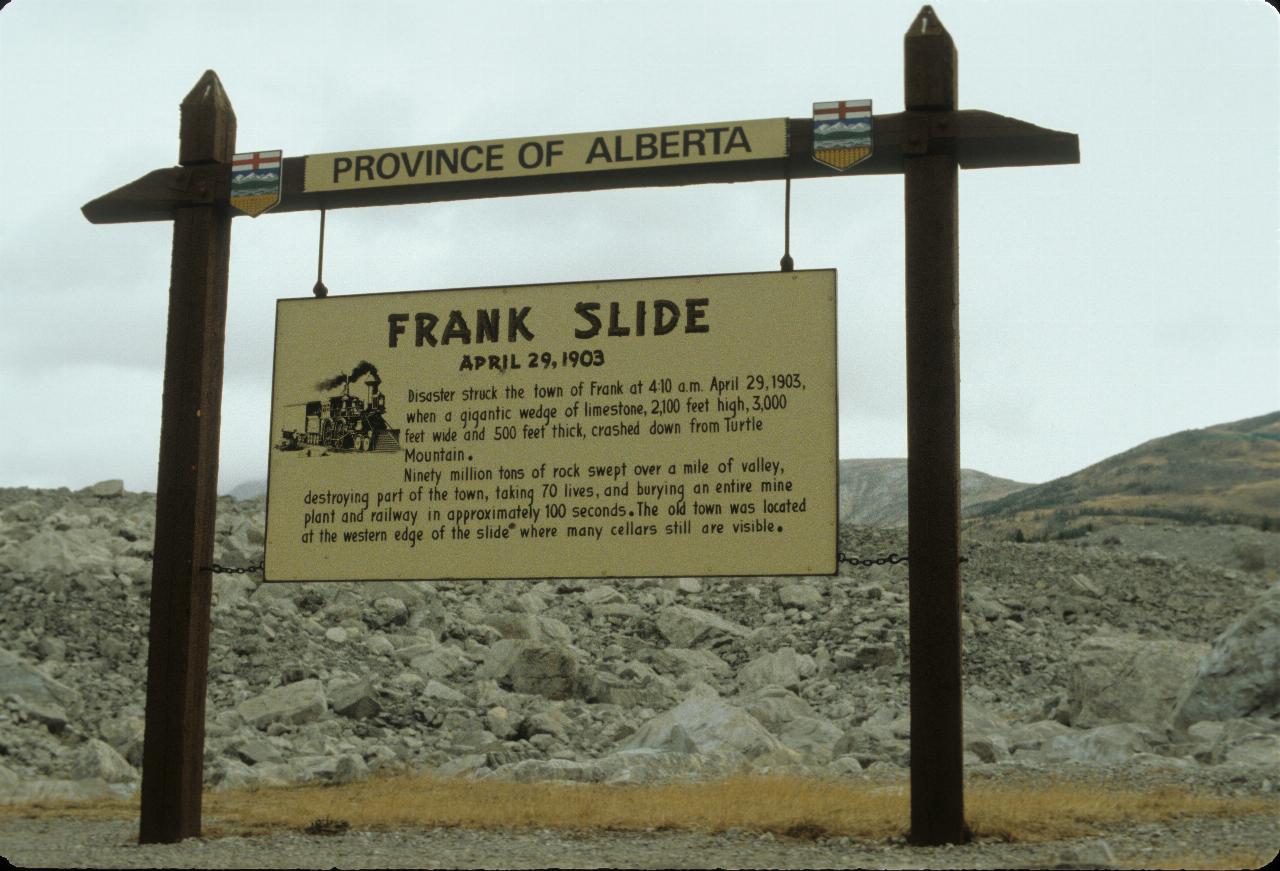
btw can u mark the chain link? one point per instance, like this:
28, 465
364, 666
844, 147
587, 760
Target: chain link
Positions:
231, 570
891, 559
217, 569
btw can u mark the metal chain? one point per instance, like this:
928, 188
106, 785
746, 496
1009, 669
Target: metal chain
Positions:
215, 568
891, 559
231, 570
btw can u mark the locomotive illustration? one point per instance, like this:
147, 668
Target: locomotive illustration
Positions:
344, 422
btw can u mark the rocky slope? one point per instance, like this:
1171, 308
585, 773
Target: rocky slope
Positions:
1227, 473
1135, 647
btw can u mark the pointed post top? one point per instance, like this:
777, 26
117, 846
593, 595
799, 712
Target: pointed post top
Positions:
929, 63
208, 127
927, 24
207, 91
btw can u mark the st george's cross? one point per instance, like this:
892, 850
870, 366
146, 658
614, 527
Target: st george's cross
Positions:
255, 181
842, 133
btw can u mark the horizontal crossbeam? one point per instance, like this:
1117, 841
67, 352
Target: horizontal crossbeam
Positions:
979, 140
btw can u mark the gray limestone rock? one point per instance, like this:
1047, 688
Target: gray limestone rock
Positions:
800, 594
387, 612
300, 702
712, 724
634, 685
683, 626
1240, 675
1095, 853
343, 768
357, 700
1031, 736
36, 694
76, 553
125, 735
108, 489
704, 664
870, 744
26, 511
532, 667
257, 750
441, 692
441, 662
9, 783
1103, 745
784, 667
775, 706
1126, 679
97, 758
1257, 749
532, 627
813, 738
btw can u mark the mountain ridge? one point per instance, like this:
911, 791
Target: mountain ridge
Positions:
1221, 474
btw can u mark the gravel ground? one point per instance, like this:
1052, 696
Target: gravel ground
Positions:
110, 844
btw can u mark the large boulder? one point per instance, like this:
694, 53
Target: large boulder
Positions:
800, 594
533, 667
695, 663
300, 702
683, 626
126, 735
794, 722
36, 694
783, 667
112, 488
1112, 744
356, 699
97, 758
705, 722
870, 743
1240, 676
532, 627
633, 684
71, 552
1126, 679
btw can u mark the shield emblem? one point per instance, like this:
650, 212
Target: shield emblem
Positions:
255, 181
842, 133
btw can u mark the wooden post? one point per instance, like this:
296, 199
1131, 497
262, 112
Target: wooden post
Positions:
186, 490
933, 442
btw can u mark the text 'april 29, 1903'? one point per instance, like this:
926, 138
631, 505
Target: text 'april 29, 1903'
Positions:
679, 426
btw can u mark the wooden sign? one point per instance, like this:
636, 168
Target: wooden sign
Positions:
547, 155
652, 427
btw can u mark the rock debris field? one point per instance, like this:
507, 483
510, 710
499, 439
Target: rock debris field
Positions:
1144, 650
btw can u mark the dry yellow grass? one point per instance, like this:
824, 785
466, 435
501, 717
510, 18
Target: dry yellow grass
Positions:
788, 806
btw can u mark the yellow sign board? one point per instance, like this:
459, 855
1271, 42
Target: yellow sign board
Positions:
545, 155
652, 427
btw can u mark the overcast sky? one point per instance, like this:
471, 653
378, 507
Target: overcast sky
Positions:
1102, 304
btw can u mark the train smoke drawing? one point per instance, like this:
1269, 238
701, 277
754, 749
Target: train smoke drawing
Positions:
343, 422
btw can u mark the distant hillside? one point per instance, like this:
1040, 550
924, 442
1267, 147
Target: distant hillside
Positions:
874, 492
1228, 473
249, 489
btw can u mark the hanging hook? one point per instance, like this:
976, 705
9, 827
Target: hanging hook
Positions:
320, 290
787, 264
